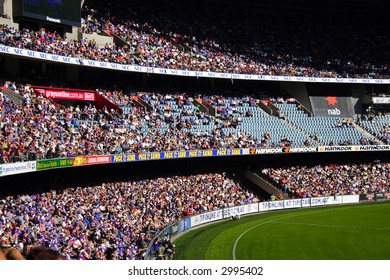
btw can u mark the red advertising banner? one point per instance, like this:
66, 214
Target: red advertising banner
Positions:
68, 95
89, 160
77, 95
98, 159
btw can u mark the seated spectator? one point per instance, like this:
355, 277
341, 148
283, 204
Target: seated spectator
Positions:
148, 42
7, 252
43, 253
114, 220
340, 179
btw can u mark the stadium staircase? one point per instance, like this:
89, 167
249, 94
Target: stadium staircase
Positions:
366, 133
264, 104
139, 102
205, 107
13, 96
300, 130
263, 184
117, 39
180, 45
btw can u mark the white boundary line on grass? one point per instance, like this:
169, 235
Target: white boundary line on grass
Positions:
306, 213
273, 221
267, 222
334, 226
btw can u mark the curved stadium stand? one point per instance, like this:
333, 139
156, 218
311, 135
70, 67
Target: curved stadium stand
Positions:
115, 211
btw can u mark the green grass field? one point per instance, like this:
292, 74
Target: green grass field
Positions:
350, 232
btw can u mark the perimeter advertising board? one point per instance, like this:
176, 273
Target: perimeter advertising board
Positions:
66, 12
332, 106
17, 168
142, 69
67, 94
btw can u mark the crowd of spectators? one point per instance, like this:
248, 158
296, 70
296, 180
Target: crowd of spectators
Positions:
43, 128
203, 47
333, 179
256, 47
114, 220
117, 220
115, 96
53, 43
385, 133
90, 23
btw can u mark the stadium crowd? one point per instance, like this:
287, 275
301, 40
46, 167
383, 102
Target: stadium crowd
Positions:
43, 129
148, 41
385, 133
333, 179
115, 220
118, 220
246, 50
253, 47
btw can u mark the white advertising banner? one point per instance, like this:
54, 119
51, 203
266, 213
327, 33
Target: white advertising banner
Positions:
269, 151
332, 200
293, 203
17, 168
305, 202
241, 210
381, 100
338, 148
234, 211
350, 199
303, 150
253, 208
318, 201
276, 205
195, 221
374, 148
209, 217
142, 69
263, 206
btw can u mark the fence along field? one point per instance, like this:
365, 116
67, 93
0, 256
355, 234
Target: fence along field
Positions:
348, 232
